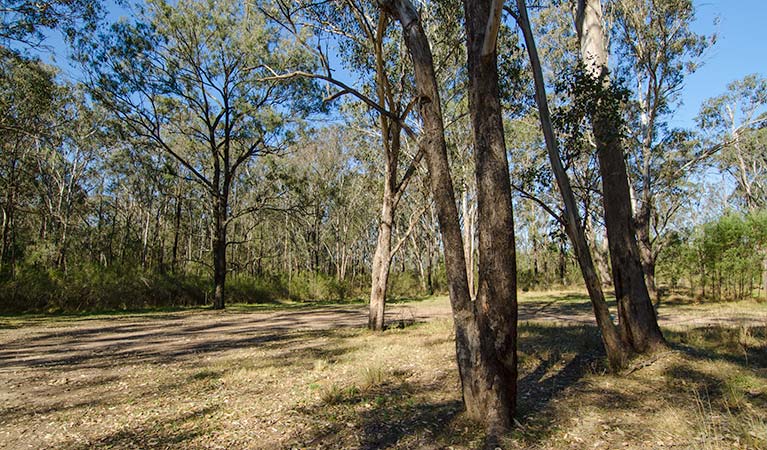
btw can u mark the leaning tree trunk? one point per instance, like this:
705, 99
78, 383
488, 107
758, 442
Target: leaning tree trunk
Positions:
638, 324
616, 353
488, 384
381, 262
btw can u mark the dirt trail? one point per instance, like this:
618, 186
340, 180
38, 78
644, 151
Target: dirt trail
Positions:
164, 337
114, 380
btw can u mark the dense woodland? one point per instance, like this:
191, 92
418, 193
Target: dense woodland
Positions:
208, 153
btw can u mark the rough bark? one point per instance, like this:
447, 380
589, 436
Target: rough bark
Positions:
488, 383
638, 325
616, 353
497, 289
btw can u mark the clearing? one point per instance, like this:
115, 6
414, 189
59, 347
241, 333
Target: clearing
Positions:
253, 377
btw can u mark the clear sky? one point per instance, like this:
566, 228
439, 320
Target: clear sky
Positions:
741, 49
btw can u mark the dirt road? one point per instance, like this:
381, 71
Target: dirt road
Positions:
164, 337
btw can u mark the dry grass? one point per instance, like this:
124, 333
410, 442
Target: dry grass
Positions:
233, 387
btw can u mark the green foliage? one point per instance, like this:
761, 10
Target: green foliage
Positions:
94, 288
598, 99
25, 21
722, 258
307, 286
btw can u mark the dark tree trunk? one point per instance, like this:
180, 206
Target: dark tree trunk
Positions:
638, 323
646, 255
488, 376
219, 252
497, 291
764, 271
176, 233
8, 250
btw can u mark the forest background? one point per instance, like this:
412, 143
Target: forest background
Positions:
111, 202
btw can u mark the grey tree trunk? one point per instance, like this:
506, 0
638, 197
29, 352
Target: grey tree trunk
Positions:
616, 353
381, 262
638, 324
646, 254
601, 260
468, 238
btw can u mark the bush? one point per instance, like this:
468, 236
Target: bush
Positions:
92, 288
310, 286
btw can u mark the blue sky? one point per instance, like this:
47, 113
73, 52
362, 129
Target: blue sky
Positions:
741, 49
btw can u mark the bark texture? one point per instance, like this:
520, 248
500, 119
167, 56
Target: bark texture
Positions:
486, 356
219, 252
616, 353
496, 304
638, 325
381, 263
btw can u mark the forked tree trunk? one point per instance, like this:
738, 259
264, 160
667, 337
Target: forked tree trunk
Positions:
488, 385
496, 303
381, 262
616, 353
638, 324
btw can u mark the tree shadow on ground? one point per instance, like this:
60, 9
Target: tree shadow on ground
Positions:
163, 341
401, 413
553, 359
395, 413
742, 346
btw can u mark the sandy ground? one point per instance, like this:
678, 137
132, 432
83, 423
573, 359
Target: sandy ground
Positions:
168, 336
52, 365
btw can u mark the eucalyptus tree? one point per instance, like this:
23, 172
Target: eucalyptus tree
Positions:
571, 217
188, 79
372, 50
65, 165
600, 102
486, 329
736, 122
25, 21
28, 93
657, 48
